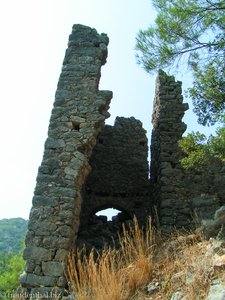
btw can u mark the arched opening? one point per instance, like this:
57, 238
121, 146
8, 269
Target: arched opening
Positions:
110, 213
103, 228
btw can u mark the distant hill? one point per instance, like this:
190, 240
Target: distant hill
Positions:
12, 234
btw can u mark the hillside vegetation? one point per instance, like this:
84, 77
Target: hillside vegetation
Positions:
12, 234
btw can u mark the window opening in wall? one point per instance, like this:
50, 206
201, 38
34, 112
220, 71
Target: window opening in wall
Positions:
76, 126
109, 213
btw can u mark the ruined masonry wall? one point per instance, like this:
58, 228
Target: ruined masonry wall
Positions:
118, 179
166, 172
182, 197
120, 159
88, 166
77, 118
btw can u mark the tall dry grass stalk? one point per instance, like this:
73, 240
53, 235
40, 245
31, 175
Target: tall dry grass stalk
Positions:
95, 278
115, 274
136, 249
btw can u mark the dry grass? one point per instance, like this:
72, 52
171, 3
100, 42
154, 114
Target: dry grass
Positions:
136, 251
177, 264
115, 274
95, 279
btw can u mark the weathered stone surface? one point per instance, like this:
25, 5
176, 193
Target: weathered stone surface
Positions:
53, 268
217, 292
205, 206
219, 262
56, 242
61, 255
62, 282
215, 227
54, 143
220, 215
37, 253
32, 280
177, 296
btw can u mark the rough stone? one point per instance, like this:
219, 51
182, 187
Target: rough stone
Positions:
215, 227
219, 262
37, 253
53, 268
151, 288
217, 292
177, 296
61, 255
220, 215
32, 280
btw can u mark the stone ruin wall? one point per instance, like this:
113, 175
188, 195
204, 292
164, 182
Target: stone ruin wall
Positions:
88, 166
76, 120
182, 197
166, 172
205, 191
118, 179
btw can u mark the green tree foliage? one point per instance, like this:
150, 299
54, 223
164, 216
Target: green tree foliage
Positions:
190, 32
217, 144
208, 92
12, 234
11, 267
201, 152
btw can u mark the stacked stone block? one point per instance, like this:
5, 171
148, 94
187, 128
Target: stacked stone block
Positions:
77, 118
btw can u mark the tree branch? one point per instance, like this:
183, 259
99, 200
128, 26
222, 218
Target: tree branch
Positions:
183, 51
215, 5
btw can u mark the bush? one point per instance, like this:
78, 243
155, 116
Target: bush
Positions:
11, 267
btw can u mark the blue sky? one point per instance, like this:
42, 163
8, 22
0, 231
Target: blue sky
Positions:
34, 35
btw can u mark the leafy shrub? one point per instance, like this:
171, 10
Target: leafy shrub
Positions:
11, 267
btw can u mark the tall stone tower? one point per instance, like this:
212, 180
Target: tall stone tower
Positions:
166, 172
78, 116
